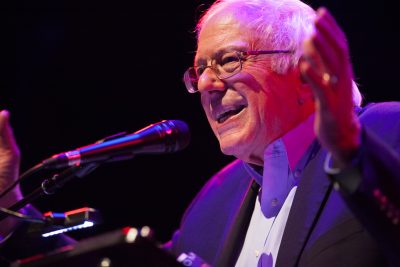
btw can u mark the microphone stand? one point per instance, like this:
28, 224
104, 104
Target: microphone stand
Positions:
50, 185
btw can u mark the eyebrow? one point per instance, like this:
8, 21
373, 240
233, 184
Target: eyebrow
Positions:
220, 52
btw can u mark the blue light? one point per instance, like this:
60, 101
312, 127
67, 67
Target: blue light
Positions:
86, 224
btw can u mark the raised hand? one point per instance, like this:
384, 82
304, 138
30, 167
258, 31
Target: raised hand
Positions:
9, 169
327, 68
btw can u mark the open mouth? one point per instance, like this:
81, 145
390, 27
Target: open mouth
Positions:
222, 117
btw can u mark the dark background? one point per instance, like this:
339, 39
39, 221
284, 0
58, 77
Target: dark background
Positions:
75, 72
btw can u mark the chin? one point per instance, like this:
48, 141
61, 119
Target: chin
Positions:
241, 146
233, 145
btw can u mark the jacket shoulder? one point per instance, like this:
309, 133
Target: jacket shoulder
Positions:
222, 183
382, 109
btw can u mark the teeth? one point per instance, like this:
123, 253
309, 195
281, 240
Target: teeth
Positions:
226, 114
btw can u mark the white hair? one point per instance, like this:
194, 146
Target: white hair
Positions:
276, 24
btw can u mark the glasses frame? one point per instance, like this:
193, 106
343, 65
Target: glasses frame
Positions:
188, 80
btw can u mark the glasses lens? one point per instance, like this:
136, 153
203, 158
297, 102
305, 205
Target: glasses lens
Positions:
190, 79
230, 65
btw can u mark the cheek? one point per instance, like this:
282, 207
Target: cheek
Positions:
259, 112
265, 111
255, 87
205, 103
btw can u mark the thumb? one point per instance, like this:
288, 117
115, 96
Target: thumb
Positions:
7, 140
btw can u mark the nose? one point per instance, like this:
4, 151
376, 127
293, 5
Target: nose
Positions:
209, 81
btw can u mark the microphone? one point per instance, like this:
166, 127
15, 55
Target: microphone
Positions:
166, 136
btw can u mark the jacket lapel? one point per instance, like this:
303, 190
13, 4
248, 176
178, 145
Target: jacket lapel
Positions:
308, 202
233, 243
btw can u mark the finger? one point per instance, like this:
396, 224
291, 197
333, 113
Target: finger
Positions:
322, 69
4, 121
313, 78
334, 40
328, 58
311, 55
7, 140
325, 15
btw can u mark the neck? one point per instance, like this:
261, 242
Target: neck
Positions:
298, 140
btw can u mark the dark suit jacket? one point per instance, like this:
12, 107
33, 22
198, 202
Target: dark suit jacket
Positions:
325, 227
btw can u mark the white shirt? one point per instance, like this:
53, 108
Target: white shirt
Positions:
278, 188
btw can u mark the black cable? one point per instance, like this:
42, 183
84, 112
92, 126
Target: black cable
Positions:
21, 216
22, 177
40, 166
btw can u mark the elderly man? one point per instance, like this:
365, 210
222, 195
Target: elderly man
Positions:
276, 85
316, 180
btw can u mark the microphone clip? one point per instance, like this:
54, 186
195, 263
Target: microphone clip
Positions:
50, 186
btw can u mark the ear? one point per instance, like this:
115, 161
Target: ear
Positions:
304, 90
302, 79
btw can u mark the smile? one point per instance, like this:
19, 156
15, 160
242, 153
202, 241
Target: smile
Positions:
228, 113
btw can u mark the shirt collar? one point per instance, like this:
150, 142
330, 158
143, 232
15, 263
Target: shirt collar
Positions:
284, 160
294, 147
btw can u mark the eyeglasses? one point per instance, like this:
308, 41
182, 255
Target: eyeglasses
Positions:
229, 64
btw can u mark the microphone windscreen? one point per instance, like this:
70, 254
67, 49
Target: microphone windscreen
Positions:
182, 134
